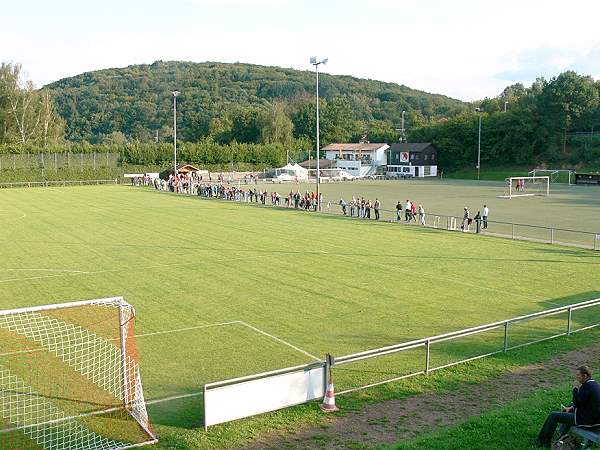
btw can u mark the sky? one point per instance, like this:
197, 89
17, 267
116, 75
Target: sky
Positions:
465, 49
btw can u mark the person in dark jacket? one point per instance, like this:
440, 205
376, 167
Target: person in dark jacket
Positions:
584, 412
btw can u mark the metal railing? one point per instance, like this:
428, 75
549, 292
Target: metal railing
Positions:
568, 326
508, 336
30, 184
510, 230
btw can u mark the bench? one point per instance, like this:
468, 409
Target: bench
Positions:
587, 435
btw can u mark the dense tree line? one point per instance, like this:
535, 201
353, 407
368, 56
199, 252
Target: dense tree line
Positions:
231, 115
234, 102
205, 152
534, 125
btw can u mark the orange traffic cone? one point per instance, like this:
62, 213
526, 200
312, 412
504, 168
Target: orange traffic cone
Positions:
328, 404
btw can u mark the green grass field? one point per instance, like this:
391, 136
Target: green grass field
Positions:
569, 207
225, 290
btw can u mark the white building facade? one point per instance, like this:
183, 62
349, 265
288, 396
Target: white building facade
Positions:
359, 160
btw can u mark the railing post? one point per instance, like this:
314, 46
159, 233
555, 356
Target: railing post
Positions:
427, 345
569, 320
513, 230
552, 235
595, 241
505, 347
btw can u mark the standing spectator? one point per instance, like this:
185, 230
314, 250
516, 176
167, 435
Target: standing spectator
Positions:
413, 211
407, 210
421, 215
399, 211
466, 220
376, 207
343, 205
368, 209
486, 212
478, 222
352, 206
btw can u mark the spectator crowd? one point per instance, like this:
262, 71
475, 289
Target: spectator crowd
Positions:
358, 207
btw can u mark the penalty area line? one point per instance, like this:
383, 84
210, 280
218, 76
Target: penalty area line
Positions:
304, 352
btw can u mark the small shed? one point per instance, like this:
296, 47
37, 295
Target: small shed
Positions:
181, 168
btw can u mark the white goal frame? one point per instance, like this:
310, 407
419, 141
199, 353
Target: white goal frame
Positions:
511, 191
133, 402
552, 173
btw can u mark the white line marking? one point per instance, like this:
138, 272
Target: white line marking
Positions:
173, 397
140, 269
279, 340
177, 330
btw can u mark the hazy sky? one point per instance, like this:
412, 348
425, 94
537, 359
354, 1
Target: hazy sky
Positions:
462, 48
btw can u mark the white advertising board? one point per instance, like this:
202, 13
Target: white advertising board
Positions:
248, 398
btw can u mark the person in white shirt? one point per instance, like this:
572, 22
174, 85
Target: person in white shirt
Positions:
407, 210
484, 216
421, 215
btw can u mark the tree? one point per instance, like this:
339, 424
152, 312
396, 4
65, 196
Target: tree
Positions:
27, 116
277, 127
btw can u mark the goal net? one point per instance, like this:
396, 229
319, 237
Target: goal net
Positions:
556, 175
526, 187
70, 379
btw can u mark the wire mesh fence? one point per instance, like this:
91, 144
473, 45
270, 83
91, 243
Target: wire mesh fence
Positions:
56, 161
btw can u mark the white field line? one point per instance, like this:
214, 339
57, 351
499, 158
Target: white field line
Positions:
177, 330
279, 340
121, 270
240, 322
174, 397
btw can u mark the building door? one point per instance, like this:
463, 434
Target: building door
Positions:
416, 171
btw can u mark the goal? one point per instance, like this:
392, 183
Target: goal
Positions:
526, 187
70, 378
556, 175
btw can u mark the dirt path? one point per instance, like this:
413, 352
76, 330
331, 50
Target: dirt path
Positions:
396, 420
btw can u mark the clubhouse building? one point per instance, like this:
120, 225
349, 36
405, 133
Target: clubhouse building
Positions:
415, 159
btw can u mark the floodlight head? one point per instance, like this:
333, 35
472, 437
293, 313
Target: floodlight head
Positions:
176, 93
325, 60
477, 109
313, 59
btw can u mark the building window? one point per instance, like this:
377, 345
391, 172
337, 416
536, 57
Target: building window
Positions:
412, 156
426, 157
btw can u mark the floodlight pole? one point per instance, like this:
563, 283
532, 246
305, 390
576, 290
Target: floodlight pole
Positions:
175, 94
402, 130
505, 105
479, 144
316, 63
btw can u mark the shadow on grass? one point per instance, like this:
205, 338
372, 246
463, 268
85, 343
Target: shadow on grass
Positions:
185, 413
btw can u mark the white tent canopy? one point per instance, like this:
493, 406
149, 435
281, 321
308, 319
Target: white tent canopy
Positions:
294, 170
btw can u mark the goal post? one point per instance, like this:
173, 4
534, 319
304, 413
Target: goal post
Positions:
70, 378
526, 187
556, 175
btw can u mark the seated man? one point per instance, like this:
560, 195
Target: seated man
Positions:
585, 410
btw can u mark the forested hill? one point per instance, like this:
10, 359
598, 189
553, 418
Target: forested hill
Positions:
233, 102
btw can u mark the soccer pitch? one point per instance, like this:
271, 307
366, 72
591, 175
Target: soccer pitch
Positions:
224, 289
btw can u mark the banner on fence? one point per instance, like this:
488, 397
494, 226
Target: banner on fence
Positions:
229, 400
